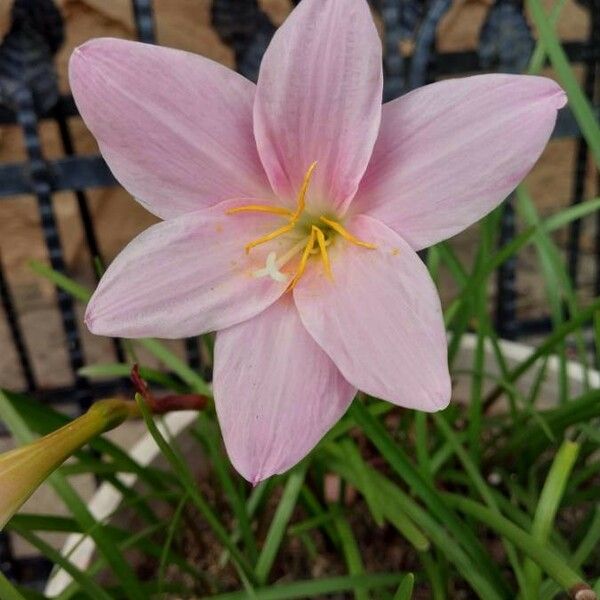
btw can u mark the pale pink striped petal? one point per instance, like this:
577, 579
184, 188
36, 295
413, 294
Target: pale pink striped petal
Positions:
175, 128
185, 276
450, 152
276, 392
380, 319
319, 99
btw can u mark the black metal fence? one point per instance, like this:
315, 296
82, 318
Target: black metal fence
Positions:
29, 94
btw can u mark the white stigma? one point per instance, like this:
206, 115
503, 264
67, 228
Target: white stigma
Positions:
271, 269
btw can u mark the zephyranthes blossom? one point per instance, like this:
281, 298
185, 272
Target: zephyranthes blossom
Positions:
293, 210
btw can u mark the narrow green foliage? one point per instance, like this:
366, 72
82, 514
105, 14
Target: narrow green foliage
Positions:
7, 590
190, 486
555, 565
548, 505
579, 103
280, 522
351, 553
405, 589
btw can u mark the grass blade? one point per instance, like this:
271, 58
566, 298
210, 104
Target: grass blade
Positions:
405, 589
316, 588
280, 522
351, 553
7, 591
579, 103
548, 505
187, 480
555, 565
406, 470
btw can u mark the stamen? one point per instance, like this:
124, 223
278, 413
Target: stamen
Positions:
303, 190
303, 261
346, 234
269, 236
323, 248
274, 210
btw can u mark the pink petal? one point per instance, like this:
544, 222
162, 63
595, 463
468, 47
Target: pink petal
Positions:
319, 99
380, 319
175, 128
276, 392
450, 152
186, 276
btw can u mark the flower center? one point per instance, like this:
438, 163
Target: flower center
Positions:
317, 235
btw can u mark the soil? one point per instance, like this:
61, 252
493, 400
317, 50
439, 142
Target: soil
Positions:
185, 24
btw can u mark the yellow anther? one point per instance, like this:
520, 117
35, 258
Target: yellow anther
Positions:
323, 247
346, 234
303, 189
274, 210
269, 236
303, 260
293, 216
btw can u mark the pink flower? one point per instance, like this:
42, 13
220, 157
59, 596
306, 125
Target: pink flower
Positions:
293, 211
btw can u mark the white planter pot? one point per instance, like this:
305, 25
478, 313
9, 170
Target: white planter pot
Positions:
107, 499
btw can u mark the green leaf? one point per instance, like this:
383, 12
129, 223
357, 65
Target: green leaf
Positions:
515, 245
173, 525
189, 484
354, 458
548, 505
86, 583
208, 433
482, 488
401, 502
579, 103
532, 439
398, 460
351, 553
363, 481
555, 565
7, 590
315, 588
175, 364
539, 55
405, 589
280, 521
114, 370
556, 337
79, 292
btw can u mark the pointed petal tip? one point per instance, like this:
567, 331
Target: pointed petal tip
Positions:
91, 321
254, 474
96, 322
560, 98
258, 478
440, 402
79, 61
549, 90
86, 49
